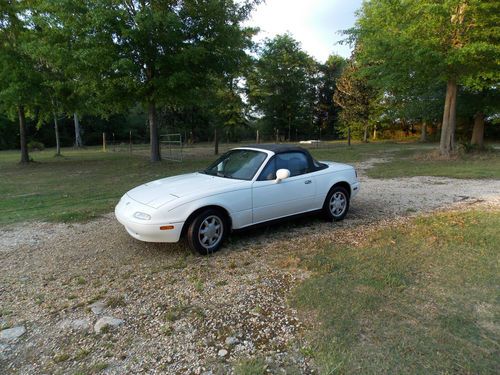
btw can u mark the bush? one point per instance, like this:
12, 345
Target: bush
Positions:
465, 147
35, 146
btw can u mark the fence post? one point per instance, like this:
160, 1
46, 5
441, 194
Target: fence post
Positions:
114, 142
130, 141
216, 142
258, 136
104, 142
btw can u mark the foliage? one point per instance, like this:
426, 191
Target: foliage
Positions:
359, 102
282, 87
411, 49
35, 146
326, 111
104, 56
20, 78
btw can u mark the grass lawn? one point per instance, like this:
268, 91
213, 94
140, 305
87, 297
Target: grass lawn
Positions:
84, 184
78, 186
484, 165
421, 298
339, 151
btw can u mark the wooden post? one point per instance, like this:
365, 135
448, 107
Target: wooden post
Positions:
349, 136
114, 143
130, 141
216, 141
104, 142
258, 136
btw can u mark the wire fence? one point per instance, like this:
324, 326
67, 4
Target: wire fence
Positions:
175, 147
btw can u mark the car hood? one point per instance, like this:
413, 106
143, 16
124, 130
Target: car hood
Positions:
157, 193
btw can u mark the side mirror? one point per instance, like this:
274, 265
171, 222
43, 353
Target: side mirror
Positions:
282, 174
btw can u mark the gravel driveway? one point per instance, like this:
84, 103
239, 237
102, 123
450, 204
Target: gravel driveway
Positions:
175, 312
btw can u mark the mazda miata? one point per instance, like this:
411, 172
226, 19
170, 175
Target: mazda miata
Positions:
244, 187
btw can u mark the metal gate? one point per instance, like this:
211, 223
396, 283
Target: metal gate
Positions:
171, 146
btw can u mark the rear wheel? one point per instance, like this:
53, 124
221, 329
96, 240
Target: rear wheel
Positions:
207, 231
336, 203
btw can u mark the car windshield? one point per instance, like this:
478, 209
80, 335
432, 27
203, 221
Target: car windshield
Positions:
238, 164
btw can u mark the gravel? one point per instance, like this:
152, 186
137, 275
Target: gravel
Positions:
176, 312
107, 323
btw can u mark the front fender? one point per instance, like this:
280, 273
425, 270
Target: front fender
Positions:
238, 204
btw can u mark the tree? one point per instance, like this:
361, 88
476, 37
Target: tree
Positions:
282, 86
20, 81
476, 107
60, 40
159, 52
454, 43
327, 112
358, 101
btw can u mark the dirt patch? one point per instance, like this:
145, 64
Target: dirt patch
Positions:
183, 313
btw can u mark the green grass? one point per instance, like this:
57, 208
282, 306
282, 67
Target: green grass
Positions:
79, 186
421, 298
339, 151
251, 366
482, 166
84, 184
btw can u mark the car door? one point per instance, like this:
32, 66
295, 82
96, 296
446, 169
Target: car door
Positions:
271, 200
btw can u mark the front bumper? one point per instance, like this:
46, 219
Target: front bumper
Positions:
145, 230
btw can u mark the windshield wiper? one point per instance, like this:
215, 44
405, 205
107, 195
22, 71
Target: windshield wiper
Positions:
222, 174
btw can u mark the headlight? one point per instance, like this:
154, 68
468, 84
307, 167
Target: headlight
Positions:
142, 216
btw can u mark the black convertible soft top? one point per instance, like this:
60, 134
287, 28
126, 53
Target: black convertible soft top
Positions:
279, 149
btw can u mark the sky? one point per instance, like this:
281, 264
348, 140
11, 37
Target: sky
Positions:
314, 23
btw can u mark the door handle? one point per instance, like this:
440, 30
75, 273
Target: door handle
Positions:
307, 182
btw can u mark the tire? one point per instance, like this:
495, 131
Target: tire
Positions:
207, 231
336, 203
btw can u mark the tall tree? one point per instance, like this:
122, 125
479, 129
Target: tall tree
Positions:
20, 81
61, 48
327, 112
358, 101
159, 52
453, 42
282, 85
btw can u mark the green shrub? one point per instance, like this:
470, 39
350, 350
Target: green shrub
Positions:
35, 146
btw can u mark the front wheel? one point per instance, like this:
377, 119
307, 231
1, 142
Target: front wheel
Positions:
336, 204
207, 231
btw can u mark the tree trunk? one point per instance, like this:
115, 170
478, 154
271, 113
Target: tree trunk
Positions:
22, 135
374, 131
216, 142
478, 130
447, 141
56, 131
153, 133
78, 137
365, 134
423, 132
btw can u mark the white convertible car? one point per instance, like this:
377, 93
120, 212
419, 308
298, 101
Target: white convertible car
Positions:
244, 187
